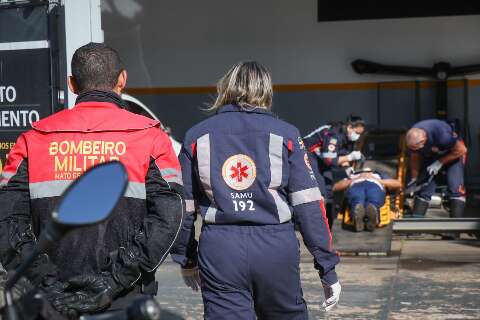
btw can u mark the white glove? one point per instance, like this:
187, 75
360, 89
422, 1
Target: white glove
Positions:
354, 155
191, 277
434, 168
332, 295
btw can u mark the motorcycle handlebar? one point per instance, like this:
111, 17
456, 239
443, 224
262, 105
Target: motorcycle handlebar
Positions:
143, 309
115, 315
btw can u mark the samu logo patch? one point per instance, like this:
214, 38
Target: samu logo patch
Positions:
239, 172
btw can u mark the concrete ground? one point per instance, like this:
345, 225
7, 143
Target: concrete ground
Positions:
421, 279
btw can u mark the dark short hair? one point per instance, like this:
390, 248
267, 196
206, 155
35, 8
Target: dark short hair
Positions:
96, 66
355, 121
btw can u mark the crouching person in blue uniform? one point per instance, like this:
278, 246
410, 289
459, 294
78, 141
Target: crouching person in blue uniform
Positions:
435, 147
329, 149
365, 194
248, 174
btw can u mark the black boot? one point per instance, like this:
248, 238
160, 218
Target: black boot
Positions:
372, 216
457, 206
420, 207
359, 215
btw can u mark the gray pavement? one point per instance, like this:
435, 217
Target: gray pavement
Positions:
421, 279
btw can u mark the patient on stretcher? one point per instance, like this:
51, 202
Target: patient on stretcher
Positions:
365, 192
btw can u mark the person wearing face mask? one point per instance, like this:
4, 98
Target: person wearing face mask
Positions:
434, 147
329, 148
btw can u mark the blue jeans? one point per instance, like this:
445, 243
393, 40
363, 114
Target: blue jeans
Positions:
365, 193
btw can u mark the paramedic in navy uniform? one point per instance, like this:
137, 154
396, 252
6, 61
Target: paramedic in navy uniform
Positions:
329, 149
248, 174
435, 147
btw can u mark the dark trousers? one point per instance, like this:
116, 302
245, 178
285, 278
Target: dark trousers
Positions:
365, 193
251, 271
455, 178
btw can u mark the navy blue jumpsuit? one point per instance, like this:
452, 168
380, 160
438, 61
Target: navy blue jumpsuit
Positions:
248, 175
440, 140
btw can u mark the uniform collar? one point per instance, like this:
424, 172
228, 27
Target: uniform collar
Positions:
101, 96
94, 117
235, 108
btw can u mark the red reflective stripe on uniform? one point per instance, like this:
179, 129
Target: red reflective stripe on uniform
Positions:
290, 145
325, 220
194, 149
315, 146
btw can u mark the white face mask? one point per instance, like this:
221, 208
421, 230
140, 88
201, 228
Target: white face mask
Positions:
354, 136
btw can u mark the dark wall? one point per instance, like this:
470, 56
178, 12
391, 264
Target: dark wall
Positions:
387, 108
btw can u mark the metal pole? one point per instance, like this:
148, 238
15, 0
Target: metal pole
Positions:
82, 25
379, 121
426, 225
417, 101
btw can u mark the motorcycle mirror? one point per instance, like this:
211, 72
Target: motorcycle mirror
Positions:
92, 197
87, 201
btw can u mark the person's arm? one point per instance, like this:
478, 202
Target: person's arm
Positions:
391, 185
445, 138
184, 252
344, 157
17, 238
165, 207
313, 143
328, 152
458, 150
342, 185
309, 213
